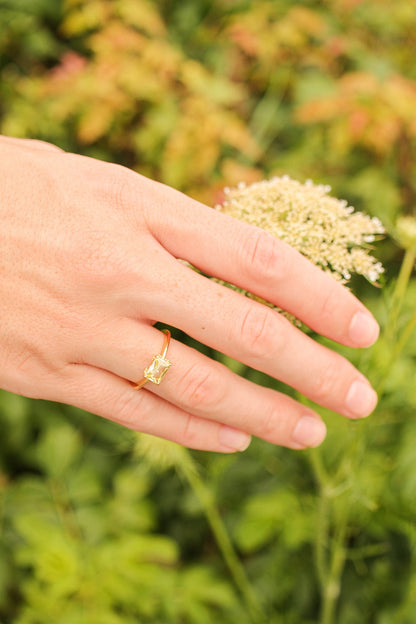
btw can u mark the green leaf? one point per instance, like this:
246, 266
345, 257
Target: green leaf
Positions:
267, 516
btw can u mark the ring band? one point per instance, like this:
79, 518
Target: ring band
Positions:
158, 367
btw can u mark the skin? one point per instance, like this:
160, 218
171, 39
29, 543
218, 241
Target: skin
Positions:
88, 262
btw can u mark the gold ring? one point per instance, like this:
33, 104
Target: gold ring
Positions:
158, 367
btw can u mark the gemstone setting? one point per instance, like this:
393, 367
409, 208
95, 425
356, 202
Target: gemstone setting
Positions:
157, 369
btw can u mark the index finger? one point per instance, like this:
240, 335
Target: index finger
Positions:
256, 261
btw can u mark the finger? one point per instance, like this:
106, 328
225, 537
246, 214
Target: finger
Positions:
258, 262
263, 339
205, 388
104, 394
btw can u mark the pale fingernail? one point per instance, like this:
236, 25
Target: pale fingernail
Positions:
309, 431
361, 399
364, 329
232, 438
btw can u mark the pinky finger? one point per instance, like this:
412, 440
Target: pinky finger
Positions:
107, 395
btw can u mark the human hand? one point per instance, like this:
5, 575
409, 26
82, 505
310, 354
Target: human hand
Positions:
89, 263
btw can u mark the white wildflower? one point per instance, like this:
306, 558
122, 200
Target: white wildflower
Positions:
324, 229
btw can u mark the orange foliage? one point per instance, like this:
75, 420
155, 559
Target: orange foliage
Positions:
368, 111
265, 87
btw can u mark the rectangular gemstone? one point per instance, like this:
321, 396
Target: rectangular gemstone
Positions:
157, 369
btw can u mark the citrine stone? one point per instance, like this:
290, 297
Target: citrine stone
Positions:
157, 369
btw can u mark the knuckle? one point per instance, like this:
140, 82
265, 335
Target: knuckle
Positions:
263, 256
325, 383
99, 260
123, 191
121, 188
271, 423
190, 432
259, 331
200, 389
45, 145
130, 409
330, 302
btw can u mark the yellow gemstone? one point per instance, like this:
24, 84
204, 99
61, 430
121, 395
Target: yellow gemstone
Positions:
157, 369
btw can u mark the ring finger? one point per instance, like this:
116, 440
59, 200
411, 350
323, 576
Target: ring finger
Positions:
204, 388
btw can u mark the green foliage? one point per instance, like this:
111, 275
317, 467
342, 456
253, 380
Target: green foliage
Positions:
80, 538
99, 526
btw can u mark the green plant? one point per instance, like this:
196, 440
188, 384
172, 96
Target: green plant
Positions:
202, 95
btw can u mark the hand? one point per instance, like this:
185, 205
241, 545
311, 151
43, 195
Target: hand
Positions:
89, 263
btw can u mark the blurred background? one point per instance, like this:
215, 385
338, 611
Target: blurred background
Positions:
101, 526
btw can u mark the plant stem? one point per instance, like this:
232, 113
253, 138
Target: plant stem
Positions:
333, 583
331, 579
398, 348
323, 514
329, 572
391, 327
223, 540
399, 292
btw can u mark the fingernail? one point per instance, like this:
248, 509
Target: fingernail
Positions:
234, 439
309, 431
364, 329
361, 399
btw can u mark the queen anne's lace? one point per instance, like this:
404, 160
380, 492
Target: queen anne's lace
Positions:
324, 229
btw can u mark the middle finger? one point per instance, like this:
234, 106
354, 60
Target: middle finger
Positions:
205, 388
260, 337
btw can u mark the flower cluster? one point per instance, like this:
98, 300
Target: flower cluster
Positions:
324, 229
